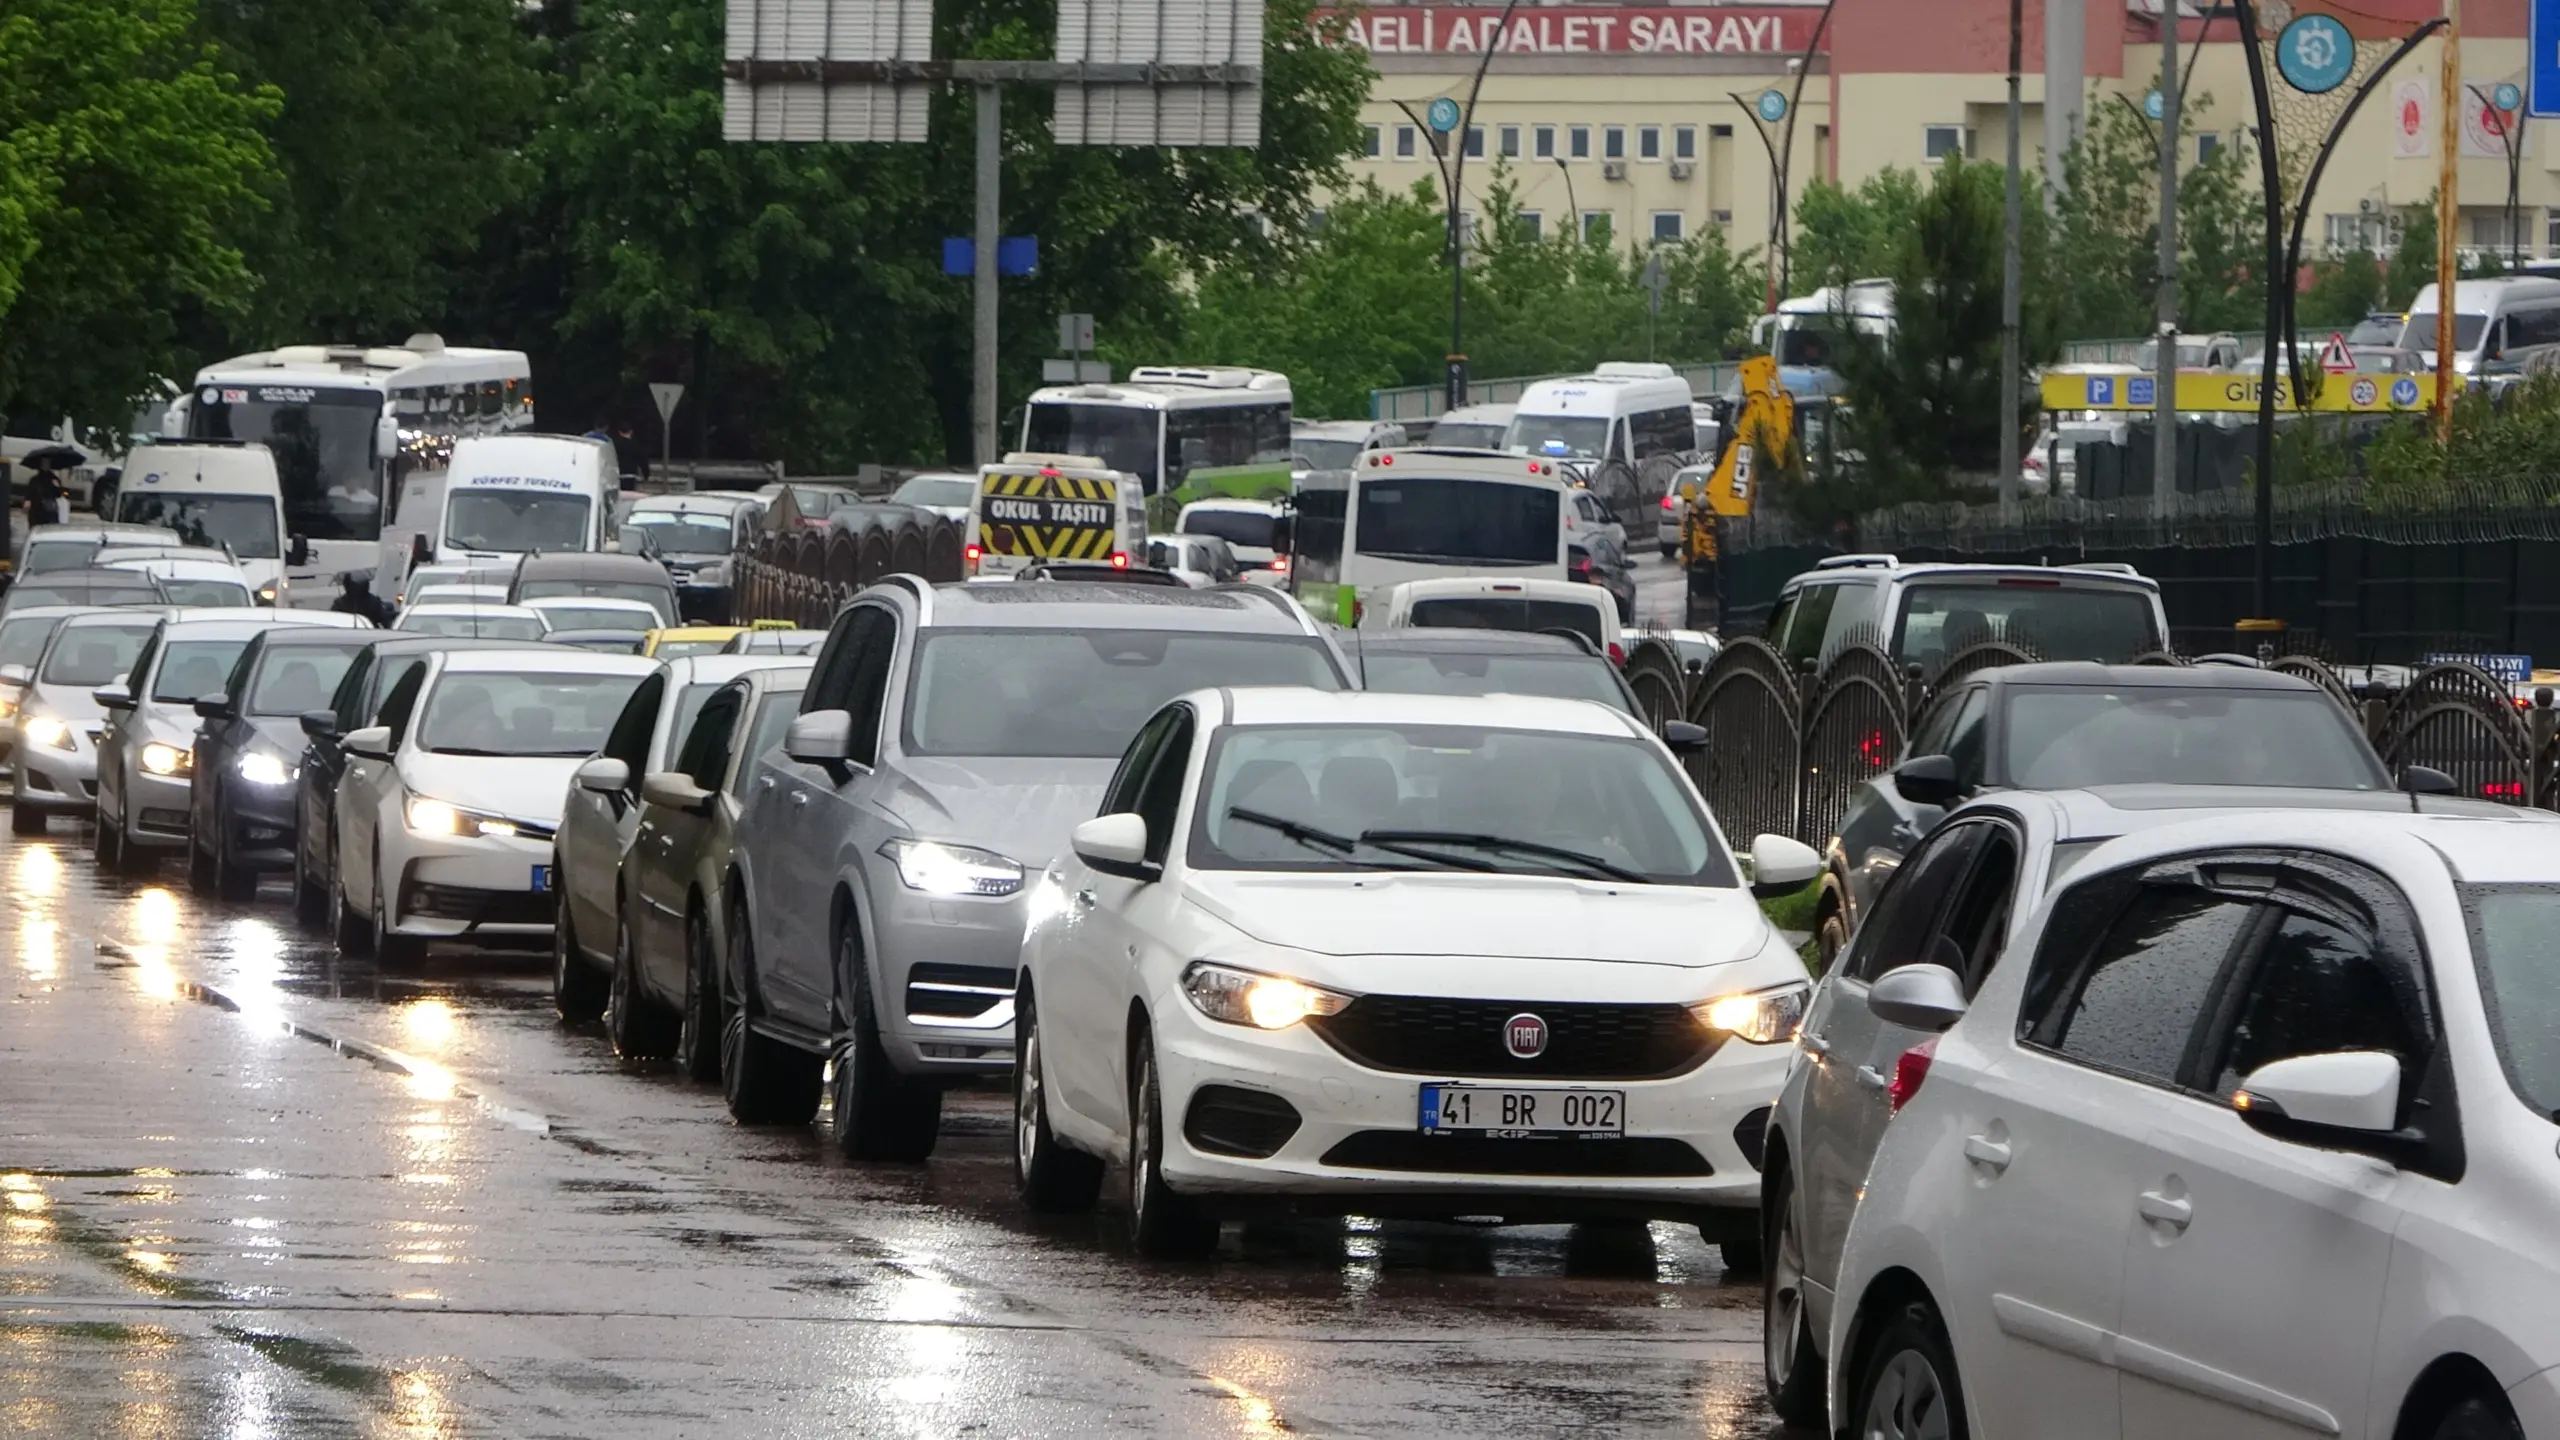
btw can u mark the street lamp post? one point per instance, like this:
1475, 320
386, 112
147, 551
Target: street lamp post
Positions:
1457, 395
1570, 203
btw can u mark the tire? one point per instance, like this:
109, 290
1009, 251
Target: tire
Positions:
352, 932
2481, 1417
1742, 1251
1162, 1224
639, 1027
391, 951
1829, 939
199, 868
1670, 551
765, 1081
578, 993
105, 844
23, 818
132, 861
880, 1114
1052, 1178
1790, 1367
698, 1024
1908, 1388
232, 880
310, 898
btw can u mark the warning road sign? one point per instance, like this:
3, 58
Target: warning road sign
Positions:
2335, 357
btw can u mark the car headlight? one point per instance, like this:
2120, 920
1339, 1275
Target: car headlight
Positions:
939, 869
1763, 1017
260, 768
435, 817
1243, 997
267, 593
48, 730
8, 706
162, 758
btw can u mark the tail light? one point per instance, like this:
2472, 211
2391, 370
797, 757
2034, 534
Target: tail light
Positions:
1119, 559
1279, 564
969, 555
2510, 790
1581, 570
1909, 1072
1617, 653
1670, 502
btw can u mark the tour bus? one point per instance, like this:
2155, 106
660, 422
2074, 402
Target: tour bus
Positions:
1183, 431
346, 423
1627, 412
223, 497
1422, 513
500, 497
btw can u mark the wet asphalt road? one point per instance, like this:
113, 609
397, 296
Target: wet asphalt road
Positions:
251, 1191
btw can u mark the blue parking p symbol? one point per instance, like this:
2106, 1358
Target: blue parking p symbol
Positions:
2102, 391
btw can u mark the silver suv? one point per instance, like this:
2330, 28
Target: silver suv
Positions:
1926, 615
887, 853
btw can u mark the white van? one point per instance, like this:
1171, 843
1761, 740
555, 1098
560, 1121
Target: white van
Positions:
1624, 412
500, 498
2503, 319
222, 497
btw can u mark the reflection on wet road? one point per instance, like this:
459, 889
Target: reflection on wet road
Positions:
251, 1191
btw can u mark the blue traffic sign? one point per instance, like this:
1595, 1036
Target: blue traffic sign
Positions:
1772, 106
2102, 391
2141, 390
1015, 255
2404, 392
2513, 669
2544, 78
1443, 115
2315, 54
2153, 106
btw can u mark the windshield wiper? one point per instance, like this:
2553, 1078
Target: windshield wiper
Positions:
467, 750
1503, 844
1315, 839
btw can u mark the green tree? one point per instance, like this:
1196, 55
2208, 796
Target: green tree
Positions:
2413, 260
1842, 235
2342, 292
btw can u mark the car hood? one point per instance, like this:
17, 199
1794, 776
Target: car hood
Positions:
1485, 915
282, 733
71, 703
532, 788
1016, 806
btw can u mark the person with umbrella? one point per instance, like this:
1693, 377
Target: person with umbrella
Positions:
47, 499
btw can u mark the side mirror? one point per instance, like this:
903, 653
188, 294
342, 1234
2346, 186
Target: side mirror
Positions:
216, 706
1918, 997
297, 550
16, 675
1928, 780
2427, 780
112, 697
821, 737
1115, 845
386, 437
1781, 866
2355, 1092
672, 790
1684, 737
603, 775
320, 724
373, 742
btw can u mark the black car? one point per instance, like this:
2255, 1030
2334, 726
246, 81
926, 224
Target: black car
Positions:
241, 811
1487, 662
1593, 558
352, 706
2074, 725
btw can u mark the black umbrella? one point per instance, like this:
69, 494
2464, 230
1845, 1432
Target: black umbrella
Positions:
52, 456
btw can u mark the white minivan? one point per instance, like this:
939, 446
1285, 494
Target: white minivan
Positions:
2503, 319
501, 497
223, 497
1625, 412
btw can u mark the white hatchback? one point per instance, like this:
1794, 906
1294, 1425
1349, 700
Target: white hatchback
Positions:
1404, 954
2259, 1143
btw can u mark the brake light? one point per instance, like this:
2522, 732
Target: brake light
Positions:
1909, 1071
1617, 653
1386, 459
1668, 503
1119, 559
1279, 564
969, 554
1048, 472
2503, 790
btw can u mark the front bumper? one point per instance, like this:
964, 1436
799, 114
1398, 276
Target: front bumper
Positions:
259, 823
155, 809
1691, 1148
59, 782
449, 887
945, 977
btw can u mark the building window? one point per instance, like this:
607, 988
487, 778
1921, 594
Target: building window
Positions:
1595, 226
1648, 142
2207, 146
1666, 226
1369, 141
1475, 142
2344, 232
1544, 139
1822, 152
1404, 142
1533, 225
1684, 142
1719, 132
1937, 142
1613, 142
1720, 217
2550, 232
1510, 142
1315, 222
1578, 141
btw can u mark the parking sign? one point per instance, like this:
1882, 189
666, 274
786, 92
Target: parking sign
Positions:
2102, 391
2141, 390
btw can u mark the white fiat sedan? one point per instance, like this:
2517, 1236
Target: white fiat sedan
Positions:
1404, 954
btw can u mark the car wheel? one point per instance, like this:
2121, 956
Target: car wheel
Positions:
24, 819
132, 861
577, 991
1051, 1177
103, 843
698, 1026
765, 1081
354, 935
2482, 1417
1670, 550
880, 1114
310, 896
391, 951
199, 868
1790, 1366
639, 1028
1162, 1224
1908, 1388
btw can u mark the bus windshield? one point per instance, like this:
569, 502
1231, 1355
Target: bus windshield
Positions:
511, 522
323, 443
1459, 522
1121, 437
246, 523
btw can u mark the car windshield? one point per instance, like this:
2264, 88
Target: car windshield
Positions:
293, 679
2048, 619
455, 622
1499, 612
1327, 454
246, 523
2421, 331
28, 594
670, 533
2065, 738
483, 712
1249, 528
2382, 330
1121, 437
22, 639
2511, 930
512, 522
1460, 522
1445, 797
1566, 677
1567, 437
207, 594
94, 654
565, 615
656, 597
1082, 692
951, 492
1466, 435
193, 669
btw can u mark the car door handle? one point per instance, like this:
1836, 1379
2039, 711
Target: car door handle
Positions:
1871, 1077
2166, 1209
764, 782
1989, 1153
1815, 1046
799, 797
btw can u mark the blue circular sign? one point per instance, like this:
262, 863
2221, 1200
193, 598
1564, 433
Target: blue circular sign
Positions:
2506, 96
2315, 54
2154, 106
1443, 114
2404, 392
1772, 106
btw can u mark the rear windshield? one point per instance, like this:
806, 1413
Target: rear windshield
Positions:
486, 627
193, 669
1497, 612
95, 654
137, 591
294, 679
660, 598
2049, 619
565, 616
1236, 527
44, 555
2060, 739
1564, 677
1082, 693
207, 594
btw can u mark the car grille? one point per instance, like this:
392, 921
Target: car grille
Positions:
956, 992
1636, 1157
1427, 1035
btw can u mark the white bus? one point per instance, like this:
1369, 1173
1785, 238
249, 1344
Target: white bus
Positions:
1422, 513
1182, 430
1809, 331
346, 423
1628, 412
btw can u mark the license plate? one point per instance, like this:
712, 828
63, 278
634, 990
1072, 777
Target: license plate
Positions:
541, 879
1503, 1111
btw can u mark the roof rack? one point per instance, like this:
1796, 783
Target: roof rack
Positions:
1877, 560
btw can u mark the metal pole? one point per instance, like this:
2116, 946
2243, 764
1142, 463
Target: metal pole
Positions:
1782, 237
2263, 584
2009, 279
1457, 231
2064, 68
2164, 414
2448, 210
982, 398
1574, 220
